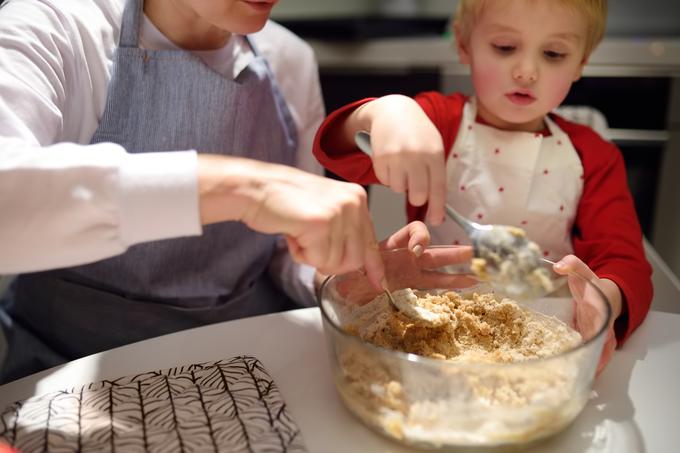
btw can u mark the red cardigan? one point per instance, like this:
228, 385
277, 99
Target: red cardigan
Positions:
606, 234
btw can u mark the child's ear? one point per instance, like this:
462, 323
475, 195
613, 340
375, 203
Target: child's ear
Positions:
461, 45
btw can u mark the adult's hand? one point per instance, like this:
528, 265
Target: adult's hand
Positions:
326, 222
408, 151
404, 268
587, 314
415, 237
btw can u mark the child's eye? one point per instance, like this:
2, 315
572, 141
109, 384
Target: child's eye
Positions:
503, 49
552, 55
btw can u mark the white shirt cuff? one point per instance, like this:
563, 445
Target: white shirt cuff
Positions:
159, 196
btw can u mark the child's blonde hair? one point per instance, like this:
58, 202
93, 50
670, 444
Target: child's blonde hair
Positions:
594, 11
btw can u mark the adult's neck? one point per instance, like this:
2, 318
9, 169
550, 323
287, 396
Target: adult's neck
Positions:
183, 26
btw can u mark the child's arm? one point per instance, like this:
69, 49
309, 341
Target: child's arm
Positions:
408, 150
607, 234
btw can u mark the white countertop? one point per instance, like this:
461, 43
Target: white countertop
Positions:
636, 408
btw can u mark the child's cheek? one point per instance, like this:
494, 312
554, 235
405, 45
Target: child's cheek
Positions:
486, 79
557, 90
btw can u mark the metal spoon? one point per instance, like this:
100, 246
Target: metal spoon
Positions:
406, 302
389, 296
506, 258
503, 254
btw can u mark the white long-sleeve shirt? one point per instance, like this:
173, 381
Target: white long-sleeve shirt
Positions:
64, 202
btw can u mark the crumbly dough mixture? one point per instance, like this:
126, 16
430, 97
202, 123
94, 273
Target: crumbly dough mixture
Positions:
507, 258
460, 405
479, 328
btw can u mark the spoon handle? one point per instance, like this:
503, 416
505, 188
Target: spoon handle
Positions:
464, 223
363, 141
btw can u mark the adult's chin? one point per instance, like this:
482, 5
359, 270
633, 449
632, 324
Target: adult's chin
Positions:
244, 26
247, 23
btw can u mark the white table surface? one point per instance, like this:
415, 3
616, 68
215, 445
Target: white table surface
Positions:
636, 407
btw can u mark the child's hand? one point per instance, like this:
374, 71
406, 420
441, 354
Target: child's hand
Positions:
408, 152
585, 312
414, 236
412, 265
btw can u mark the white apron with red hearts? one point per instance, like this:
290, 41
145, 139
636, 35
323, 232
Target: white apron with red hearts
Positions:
523, 179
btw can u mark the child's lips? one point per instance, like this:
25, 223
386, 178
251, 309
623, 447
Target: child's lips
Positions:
261, 5
521, 97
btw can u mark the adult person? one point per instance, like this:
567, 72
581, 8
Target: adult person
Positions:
171, 121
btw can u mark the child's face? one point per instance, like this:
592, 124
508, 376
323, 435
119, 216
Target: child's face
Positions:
524, 55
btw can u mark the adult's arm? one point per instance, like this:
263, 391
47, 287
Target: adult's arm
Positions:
64, 203
92, 199
296, 71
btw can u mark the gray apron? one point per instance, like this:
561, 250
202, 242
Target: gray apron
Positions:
160, 100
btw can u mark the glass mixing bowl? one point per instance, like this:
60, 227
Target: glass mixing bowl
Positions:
431, 402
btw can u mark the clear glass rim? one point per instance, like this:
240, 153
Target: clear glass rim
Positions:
438, 362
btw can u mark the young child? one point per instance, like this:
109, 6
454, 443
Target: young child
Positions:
501, 157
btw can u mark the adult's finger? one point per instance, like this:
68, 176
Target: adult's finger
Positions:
295, 250
373, 264
337, 237
315, 247
352, 255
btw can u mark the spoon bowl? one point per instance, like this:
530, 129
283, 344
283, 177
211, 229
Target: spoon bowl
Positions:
506, 258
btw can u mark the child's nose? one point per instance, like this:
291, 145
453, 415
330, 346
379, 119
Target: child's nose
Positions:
525, 72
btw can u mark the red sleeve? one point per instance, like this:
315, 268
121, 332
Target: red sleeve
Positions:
350, 164
607, 234
353, 165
